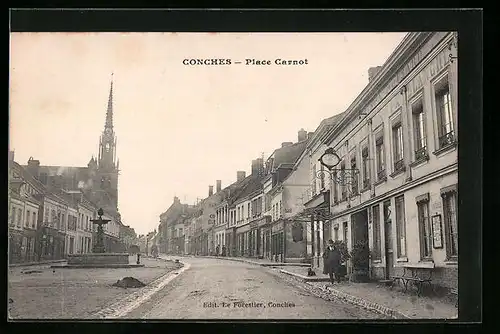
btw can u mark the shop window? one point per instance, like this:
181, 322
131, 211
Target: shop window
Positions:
450, 209
400, 227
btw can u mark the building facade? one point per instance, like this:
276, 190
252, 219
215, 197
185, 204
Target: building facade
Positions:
401, 134
23, 214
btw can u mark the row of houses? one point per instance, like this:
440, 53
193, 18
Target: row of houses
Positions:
47, 222
398, 143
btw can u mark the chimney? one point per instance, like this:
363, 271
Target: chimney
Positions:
210, 190
33, 167
309, 135
176, 199
11, 155
372, 72
286, 144
218, 185
240, 175
302, 135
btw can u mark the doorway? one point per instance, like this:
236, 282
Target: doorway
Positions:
359, 223
389, 253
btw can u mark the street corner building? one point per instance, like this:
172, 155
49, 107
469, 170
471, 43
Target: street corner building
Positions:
393, 189
399, 139
51, 207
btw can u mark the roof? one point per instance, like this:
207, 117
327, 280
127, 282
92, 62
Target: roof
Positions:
254, 183
287, 154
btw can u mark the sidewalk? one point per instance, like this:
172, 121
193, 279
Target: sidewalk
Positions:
258, 262
391, 302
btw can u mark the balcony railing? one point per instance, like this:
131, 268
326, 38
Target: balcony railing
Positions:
447, 139
398, 165
421, 153
381, 175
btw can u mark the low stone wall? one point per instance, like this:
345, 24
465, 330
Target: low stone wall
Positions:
99, 258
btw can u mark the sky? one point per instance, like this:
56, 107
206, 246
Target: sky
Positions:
179, 128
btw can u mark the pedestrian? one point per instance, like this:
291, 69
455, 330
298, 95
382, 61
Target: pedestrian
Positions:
217, 250
223, 250
331, 258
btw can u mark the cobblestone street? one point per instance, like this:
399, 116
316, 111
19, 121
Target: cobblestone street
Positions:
219, 289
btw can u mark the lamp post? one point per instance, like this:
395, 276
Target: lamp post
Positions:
99, 245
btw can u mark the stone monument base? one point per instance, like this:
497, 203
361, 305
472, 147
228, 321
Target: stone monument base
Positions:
99, 260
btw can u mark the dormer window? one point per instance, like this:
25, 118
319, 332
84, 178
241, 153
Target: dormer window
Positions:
107, 147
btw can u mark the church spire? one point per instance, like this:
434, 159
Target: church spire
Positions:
109, 112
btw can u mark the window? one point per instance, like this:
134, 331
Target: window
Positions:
376, 232
13, 216
346, 231
401, 226
19, 217
380, 157
397, 140
33, 221
238, 209
280, 209
335, 189
419, 130
248, 210
28, 217
450, 221
354, 184
314, 180
446, 133
46, 214
343, 187
365, 168
336, 233
424, 226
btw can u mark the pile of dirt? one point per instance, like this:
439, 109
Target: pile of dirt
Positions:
32, 272
129, 282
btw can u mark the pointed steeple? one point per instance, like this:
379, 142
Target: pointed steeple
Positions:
109, 112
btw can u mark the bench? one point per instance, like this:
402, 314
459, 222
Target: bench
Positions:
411, 273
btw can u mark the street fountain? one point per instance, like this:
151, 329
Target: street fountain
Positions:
99, 258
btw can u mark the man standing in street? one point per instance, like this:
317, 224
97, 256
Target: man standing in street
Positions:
332, 261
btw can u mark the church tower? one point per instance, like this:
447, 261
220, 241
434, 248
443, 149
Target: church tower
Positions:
106, 178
